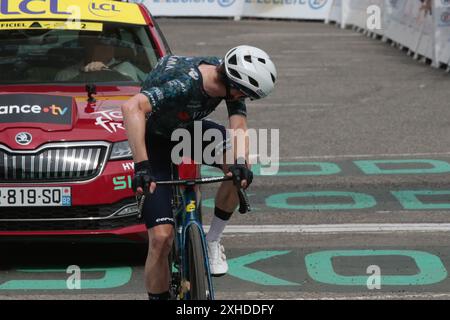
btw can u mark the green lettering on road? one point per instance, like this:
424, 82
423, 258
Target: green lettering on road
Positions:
323, 169
210, 203
113, 278
238, 268
360, 201
312, 169
320, 268
208, 171
371, 167
409, 200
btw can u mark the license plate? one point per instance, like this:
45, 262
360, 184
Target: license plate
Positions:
36, 197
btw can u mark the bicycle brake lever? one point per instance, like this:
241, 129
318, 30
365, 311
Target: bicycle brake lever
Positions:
244, 203
140, 202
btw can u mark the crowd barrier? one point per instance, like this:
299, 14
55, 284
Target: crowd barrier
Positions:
423, 27
288, 9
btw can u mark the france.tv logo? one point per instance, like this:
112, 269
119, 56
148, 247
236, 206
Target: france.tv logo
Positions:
317, 4
226, 3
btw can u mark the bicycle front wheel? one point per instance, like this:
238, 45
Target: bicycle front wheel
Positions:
198, 276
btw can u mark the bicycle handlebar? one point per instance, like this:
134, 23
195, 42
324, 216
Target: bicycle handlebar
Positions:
244, 203
206, 180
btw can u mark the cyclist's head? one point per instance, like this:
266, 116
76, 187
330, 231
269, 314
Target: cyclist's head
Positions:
251, 71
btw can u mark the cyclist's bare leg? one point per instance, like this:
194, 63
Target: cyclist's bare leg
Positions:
226, 197
157, 265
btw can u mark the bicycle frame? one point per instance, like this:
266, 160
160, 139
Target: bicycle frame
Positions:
187, 216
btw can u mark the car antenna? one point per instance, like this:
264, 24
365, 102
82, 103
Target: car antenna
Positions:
91, 89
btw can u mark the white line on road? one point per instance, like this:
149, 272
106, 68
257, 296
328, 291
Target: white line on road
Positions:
338, 228
367, 155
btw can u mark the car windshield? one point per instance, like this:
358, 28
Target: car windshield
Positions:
119, 53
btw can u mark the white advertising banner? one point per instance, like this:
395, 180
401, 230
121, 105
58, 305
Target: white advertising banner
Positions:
294, 9
410, 25
408, 22
394, 12
195, 8
441, 13
291, 9
359, 12
355, 14
335, 13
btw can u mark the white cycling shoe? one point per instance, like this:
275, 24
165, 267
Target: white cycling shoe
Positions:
217, 259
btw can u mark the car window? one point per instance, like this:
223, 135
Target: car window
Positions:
35, 56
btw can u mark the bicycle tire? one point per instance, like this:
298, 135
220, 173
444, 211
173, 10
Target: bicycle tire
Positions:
198, 277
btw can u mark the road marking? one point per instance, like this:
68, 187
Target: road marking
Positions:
238, 268
298, 295
338, 228
253, 295
345, 156
384, 297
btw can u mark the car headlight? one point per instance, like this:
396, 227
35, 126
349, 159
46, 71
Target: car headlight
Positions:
121, 151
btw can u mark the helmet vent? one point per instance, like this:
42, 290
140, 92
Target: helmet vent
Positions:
253, 82
262, 60
234, 73
248, 59
233, 60
273, 77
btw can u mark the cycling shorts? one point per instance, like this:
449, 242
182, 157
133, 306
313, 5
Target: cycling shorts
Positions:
157, 208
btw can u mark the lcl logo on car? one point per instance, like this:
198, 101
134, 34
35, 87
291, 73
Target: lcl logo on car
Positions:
103, 9
24, 138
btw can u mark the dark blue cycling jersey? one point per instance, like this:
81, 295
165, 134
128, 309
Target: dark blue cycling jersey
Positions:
175, 91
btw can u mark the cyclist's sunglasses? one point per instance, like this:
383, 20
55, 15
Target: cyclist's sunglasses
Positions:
247, 92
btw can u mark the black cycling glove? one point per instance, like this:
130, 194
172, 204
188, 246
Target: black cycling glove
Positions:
143, 176
241, 172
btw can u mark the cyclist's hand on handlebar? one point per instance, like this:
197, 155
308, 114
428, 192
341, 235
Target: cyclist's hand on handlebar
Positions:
143, 180
241, 174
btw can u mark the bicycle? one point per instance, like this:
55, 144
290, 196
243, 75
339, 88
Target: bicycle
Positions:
189, 264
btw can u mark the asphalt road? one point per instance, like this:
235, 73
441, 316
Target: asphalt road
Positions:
364, 179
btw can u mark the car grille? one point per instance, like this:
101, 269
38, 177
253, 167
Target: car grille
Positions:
84, 218
53, 163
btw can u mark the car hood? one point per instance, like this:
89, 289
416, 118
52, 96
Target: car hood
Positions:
55, 114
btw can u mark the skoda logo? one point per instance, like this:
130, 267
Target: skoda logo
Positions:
24, 138
226, 3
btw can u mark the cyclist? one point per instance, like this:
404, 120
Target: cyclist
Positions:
177, 92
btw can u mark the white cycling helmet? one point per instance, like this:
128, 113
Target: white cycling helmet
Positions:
250, 70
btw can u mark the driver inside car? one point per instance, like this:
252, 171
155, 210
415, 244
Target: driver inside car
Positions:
100, 55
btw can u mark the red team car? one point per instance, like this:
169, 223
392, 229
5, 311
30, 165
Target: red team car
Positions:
65, 163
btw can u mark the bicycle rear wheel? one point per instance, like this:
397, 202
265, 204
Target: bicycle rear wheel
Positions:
198, 275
